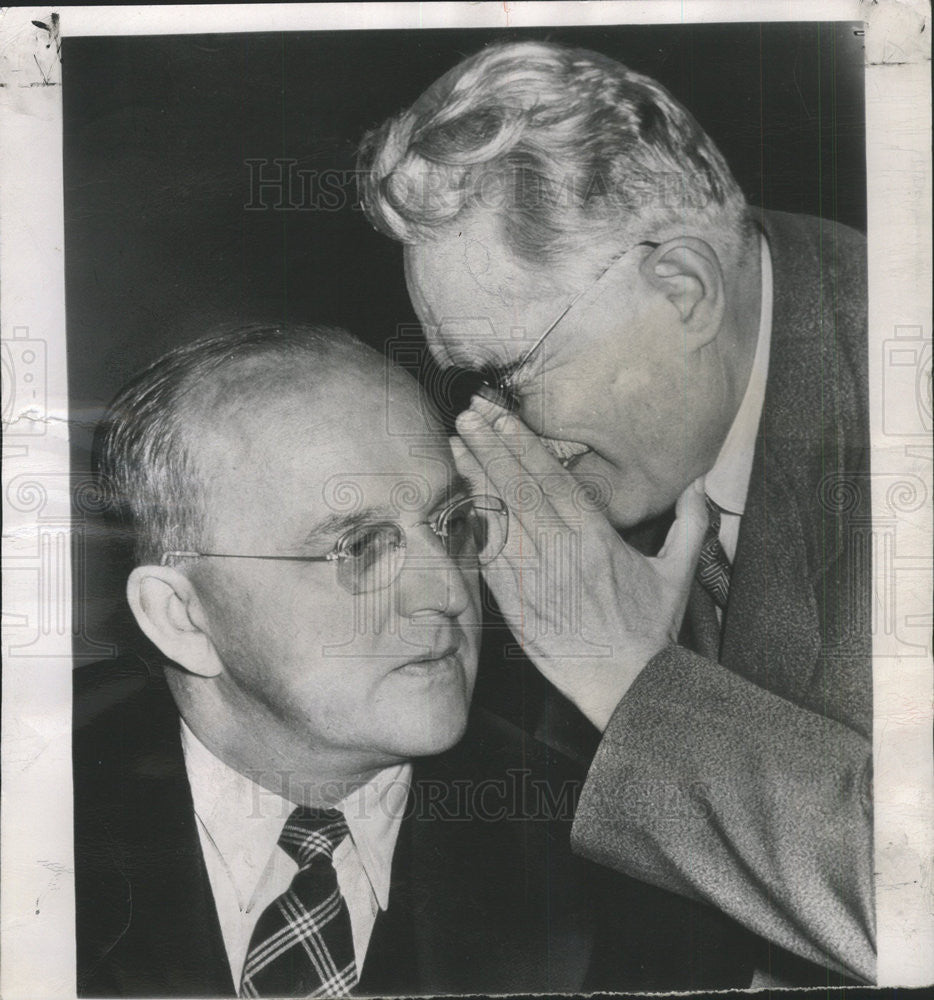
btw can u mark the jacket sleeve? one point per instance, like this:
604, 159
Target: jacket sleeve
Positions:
708, 785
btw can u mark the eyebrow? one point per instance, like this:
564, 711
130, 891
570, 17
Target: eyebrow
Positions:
336, 524
468, 354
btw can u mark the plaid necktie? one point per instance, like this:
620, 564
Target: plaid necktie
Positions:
713, 567
302, 944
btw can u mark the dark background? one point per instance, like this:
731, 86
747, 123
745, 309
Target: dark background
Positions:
159, 243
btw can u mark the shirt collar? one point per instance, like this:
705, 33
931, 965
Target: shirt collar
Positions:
727, 483
244, 820
374, 814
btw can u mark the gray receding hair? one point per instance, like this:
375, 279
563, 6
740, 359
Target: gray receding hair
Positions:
145, 447
572, 150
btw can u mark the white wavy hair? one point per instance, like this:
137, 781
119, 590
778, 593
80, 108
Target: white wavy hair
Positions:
575, 153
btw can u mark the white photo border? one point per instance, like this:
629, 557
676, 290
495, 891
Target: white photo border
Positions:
36, 903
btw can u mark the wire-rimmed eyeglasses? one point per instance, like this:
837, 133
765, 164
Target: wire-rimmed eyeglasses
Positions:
501, 387
369, 557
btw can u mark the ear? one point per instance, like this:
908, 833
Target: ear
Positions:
167, 609
687, 272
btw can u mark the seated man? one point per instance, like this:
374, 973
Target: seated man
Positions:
298, 801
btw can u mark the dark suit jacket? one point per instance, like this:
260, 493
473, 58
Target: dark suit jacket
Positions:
769, 736
485, 895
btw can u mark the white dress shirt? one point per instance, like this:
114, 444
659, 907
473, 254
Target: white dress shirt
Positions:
239, 823
727, 483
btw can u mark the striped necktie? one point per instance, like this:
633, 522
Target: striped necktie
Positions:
713, 567
302, 945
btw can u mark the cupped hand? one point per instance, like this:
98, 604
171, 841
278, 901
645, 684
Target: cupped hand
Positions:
588, 609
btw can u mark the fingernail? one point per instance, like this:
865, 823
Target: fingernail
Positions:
470, 418
699, 485
485, 407
494, 396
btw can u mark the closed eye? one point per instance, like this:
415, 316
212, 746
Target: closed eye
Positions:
494, 374
508, 378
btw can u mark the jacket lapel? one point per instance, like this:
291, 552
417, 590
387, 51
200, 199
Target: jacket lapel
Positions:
170, 941
771, 628
478, 905
389, 968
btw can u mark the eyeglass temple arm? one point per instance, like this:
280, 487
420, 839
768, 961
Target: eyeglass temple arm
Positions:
166, 556
530, 353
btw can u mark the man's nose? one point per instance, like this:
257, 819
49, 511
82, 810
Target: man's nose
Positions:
431, 582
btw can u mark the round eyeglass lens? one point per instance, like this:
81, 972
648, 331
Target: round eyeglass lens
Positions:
370, 557
475, 529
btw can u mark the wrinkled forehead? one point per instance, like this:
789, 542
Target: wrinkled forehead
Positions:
290, 451
478, 305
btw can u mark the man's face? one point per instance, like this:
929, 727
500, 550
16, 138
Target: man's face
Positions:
613, 376
372, 678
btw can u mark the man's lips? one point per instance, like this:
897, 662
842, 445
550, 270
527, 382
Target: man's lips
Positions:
564, 451
571, 463
445, 659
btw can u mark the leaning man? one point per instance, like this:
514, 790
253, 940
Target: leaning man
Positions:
573, 235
